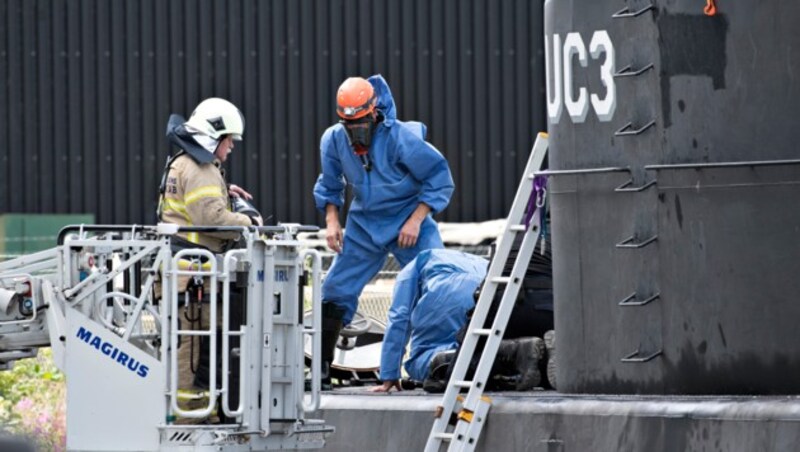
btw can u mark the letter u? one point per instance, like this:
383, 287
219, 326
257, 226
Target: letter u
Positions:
133, 365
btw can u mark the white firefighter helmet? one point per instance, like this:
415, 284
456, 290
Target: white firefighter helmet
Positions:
216, 117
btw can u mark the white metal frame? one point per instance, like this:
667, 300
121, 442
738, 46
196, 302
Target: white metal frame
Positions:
271, 353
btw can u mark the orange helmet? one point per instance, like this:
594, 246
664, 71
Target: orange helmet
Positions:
355, 99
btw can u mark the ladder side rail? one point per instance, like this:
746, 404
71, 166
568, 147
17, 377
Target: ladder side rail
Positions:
515, 217
210, 332
465, 354
474, 420
467, 432
227, 270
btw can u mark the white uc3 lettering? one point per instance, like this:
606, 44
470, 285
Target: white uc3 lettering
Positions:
577, 105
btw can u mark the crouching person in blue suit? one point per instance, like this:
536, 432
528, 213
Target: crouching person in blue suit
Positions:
433, 297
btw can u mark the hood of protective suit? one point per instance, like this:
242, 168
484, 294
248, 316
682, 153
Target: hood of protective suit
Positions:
385, 99
179, 136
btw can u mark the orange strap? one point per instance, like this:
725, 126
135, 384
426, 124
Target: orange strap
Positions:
711, 7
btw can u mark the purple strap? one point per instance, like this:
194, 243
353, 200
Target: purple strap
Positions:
539, 184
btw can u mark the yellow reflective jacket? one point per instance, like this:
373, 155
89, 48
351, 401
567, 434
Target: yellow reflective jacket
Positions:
196, 195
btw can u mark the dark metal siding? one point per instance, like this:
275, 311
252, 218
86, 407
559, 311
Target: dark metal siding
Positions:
86, 88
656, 282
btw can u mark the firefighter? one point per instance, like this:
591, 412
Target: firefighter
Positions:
194, 193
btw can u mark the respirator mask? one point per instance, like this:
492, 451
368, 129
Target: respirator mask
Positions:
359, 131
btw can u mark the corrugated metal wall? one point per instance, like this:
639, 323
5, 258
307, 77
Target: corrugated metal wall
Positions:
86, 88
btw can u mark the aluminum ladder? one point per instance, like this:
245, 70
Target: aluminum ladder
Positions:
473, 409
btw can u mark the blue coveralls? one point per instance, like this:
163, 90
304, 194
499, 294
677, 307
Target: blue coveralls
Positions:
432, 296
406, 171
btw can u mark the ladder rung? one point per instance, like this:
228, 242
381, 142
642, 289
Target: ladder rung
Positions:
501, 279
444, 436
482, 332
462, 384
517, 228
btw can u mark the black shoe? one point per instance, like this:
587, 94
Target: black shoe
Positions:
436, 381
437, 368
434, 386
521, 357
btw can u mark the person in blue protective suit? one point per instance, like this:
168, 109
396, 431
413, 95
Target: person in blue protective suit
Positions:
398, 181
431, 299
